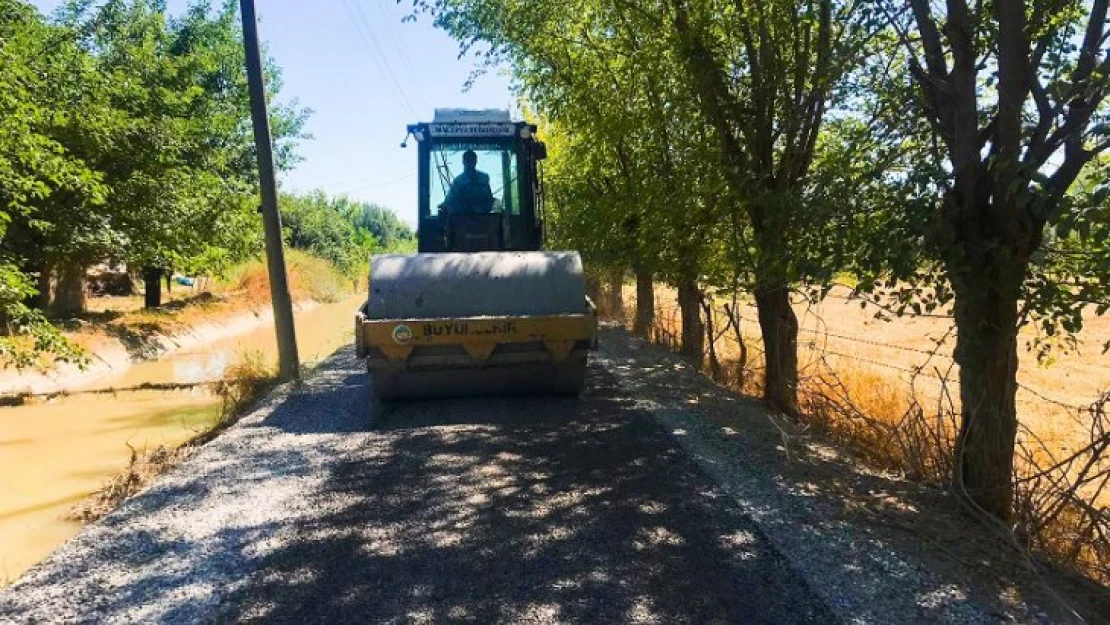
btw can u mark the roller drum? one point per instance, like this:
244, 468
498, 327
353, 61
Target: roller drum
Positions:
483, 284
436, 286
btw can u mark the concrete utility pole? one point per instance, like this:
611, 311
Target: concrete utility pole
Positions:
271, 219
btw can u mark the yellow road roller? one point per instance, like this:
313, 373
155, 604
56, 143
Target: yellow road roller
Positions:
479, 309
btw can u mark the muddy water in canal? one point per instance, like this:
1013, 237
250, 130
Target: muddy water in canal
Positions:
54, 453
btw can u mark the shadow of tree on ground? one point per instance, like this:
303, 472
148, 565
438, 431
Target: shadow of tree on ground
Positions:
527, 509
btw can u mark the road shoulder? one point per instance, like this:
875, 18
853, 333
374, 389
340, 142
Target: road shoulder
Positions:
171, 553
870, 544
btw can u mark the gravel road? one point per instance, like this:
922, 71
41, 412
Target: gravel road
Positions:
621, 506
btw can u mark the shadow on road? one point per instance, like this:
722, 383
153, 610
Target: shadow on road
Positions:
322, 507
519, 509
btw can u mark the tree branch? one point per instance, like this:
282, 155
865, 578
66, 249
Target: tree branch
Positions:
930, 38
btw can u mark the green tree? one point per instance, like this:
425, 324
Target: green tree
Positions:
158, 108
378, 222
630, 182
765, 73
1013, 96
313, 224
342, 231
180, 166
696, 125
33, 166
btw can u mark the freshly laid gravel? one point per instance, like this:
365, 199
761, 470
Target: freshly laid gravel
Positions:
172, 553
626, 505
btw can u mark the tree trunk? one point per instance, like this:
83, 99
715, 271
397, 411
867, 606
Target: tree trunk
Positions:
152, 280
986, 350
69, 294
779, 325
645, 304
733, 313
593, 290
693, 331
715, 370
615, 292
44, 284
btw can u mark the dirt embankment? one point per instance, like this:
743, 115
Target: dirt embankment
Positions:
114, 347
116, 332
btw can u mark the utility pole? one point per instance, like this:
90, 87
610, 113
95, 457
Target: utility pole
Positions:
289, 362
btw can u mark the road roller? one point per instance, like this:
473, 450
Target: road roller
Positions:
480, 309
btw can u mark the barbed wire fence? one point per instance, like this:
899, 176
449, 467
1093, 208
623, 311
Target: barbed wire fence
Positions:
668, 332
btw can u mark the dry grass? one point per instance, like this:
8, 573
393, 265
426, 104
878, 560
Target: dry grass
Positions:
310, 278
880, 422
143, 468
1062, 495
882, 389
243, 384
246, 286
845, 334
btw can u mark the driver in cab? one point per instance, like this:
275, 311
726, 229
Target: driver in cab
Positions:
470, 192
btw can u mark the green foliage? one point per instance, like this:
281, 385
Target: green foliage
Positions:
342, 231
631, 179
378, 222
27, 336
156, 108
1050, 226
312, 223
125, 136
1070, 274
683, 135
33, 167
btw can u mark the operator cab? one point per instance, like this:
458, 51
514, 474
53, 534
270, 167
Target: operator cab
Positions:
508, 153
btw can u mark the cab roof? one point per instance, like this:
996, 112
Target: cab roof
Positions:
471, 116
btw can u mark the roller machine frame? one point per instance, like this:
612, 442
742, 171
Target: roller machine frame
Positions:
479, 309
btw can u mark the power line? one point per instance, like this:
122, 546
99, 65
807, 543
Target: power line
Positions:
379, 59
378, 185
366, 33
381, 53
400, 53
365, 179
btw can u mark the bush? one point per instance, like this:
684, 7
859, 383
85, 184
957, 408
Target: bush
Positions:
342, 231
27, 339
311, 224
310, 278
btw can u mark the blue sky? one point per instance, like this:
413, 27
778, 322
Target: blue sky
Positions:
334, 55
